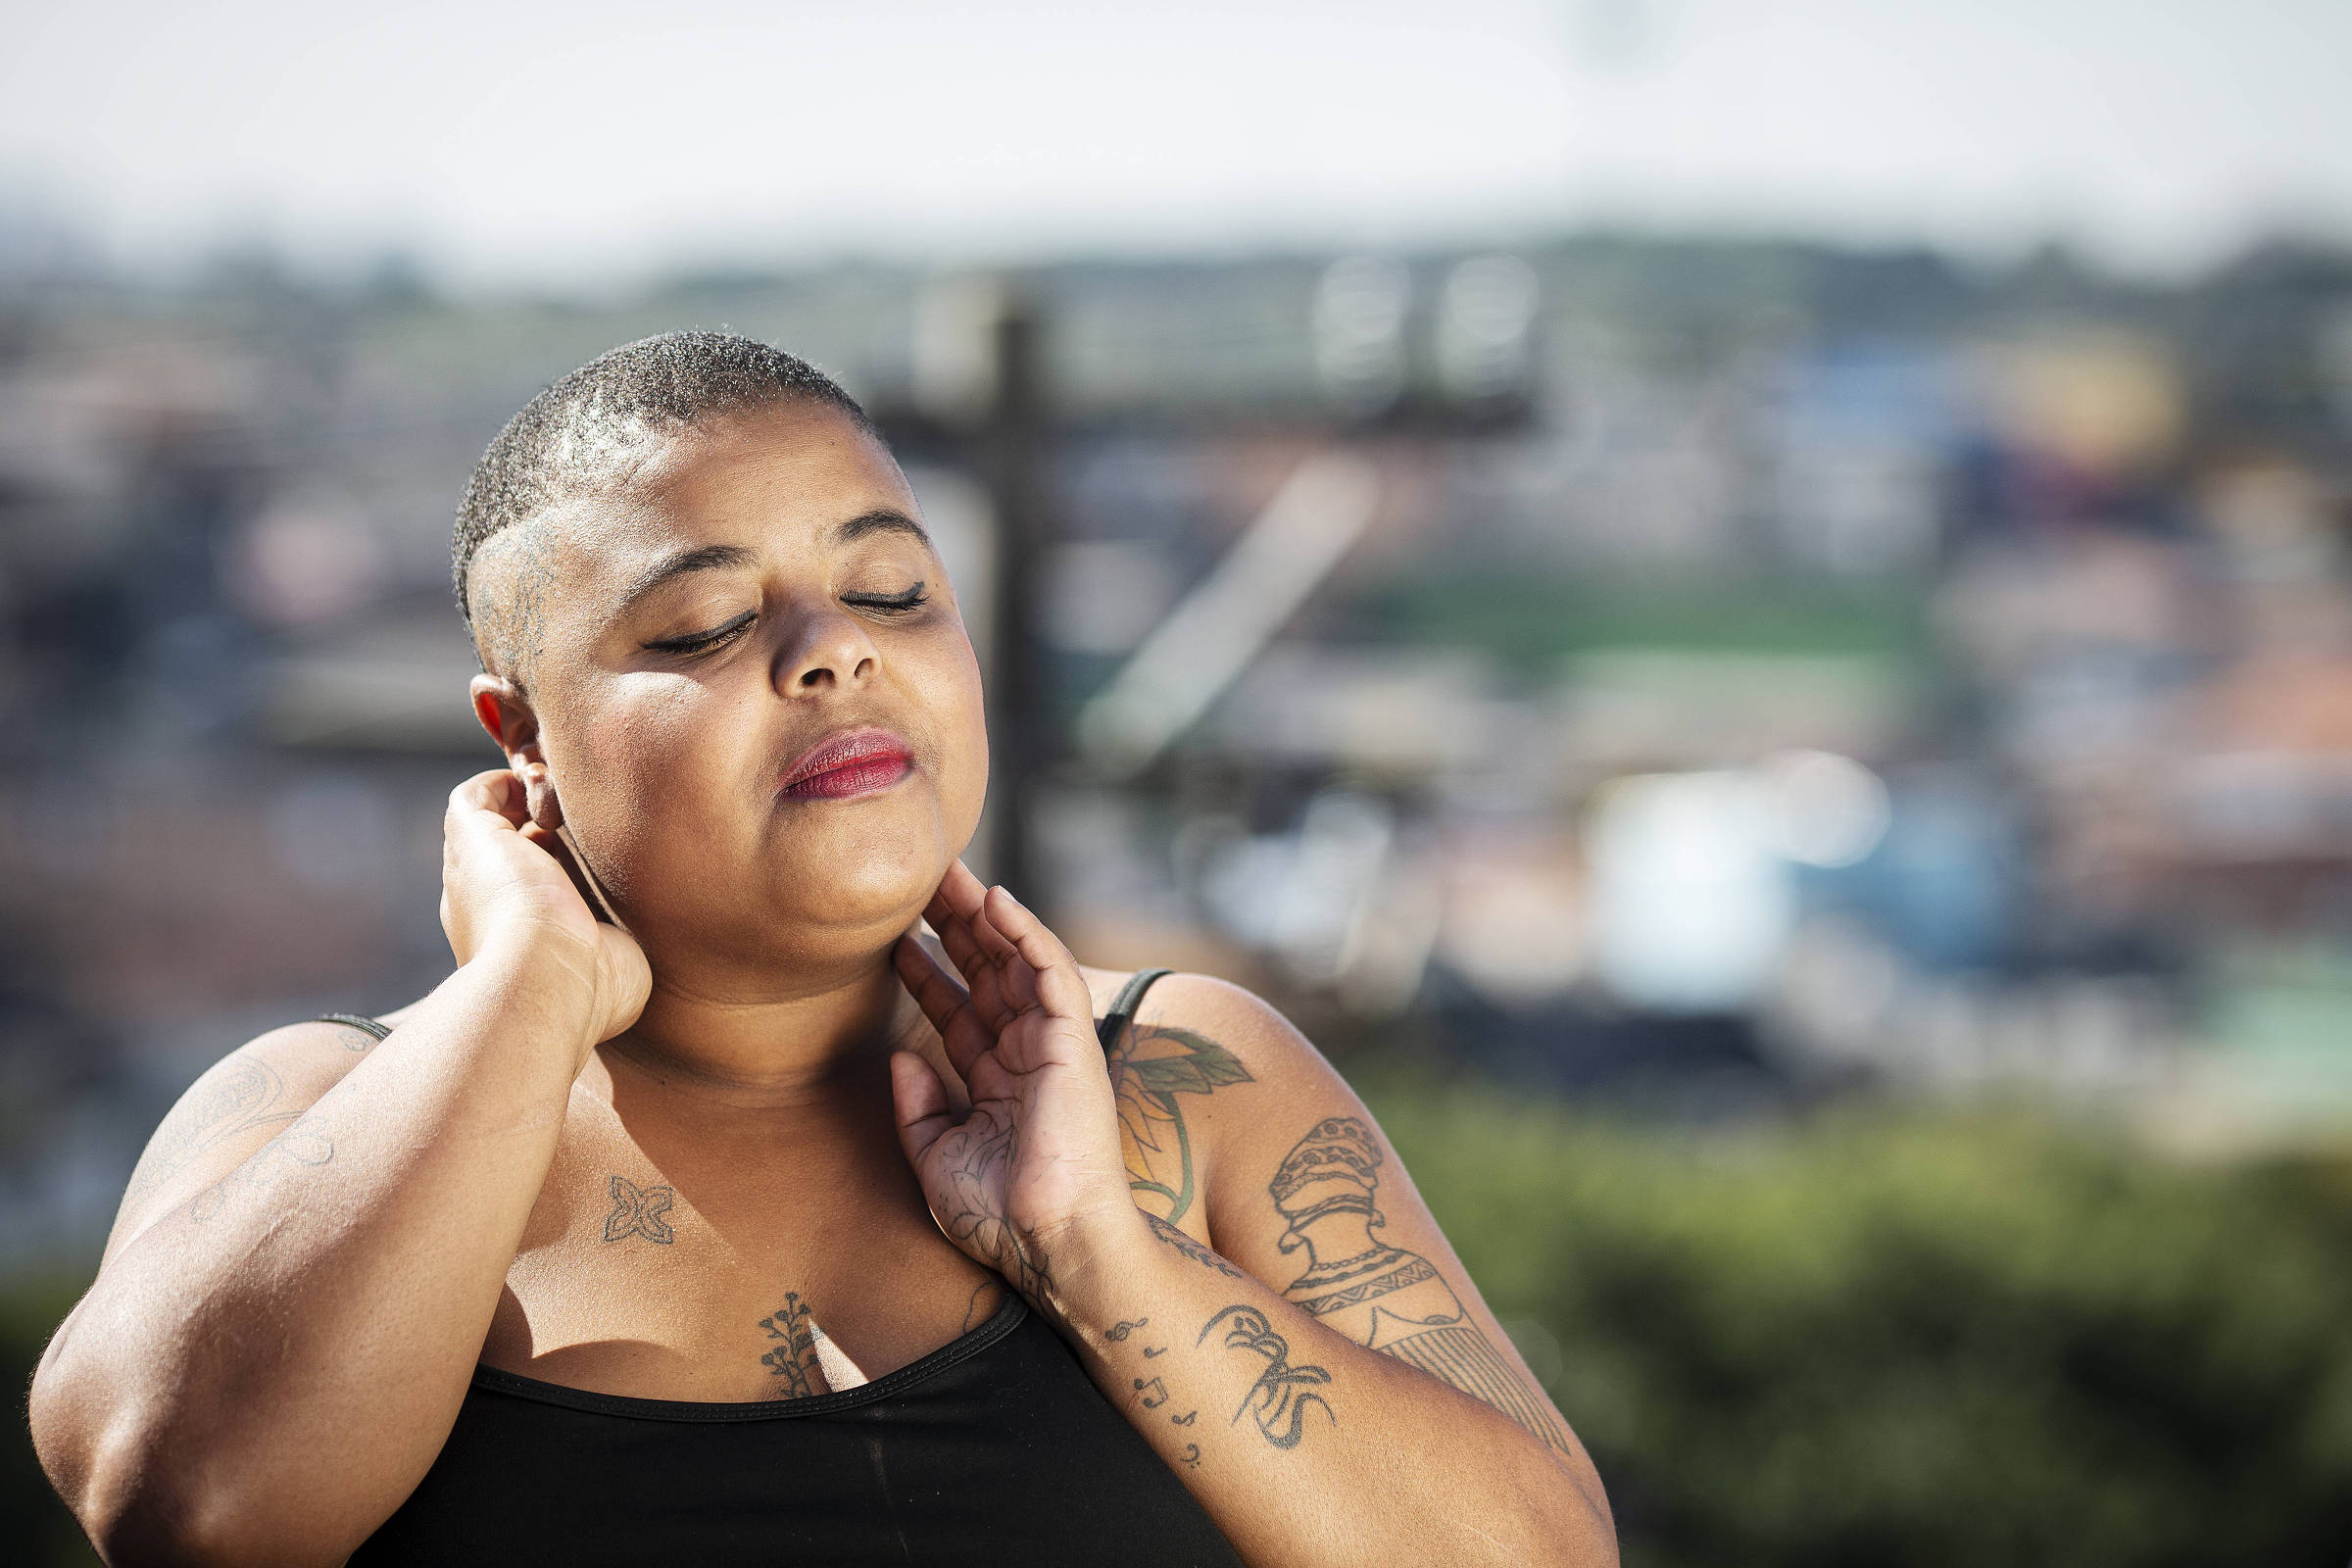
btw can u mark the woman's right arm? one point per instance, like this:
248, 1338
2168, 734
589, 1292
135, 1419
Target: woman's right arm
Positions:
290, 1310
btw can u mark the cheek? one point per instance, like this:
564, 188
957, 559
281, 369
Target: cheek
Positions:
963, 746
651, 769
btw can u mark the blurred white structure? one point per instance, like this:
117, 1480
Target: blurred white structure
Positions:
1208, 641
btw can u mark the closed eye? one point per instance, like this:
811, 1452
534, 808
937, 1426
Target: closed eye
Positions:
703, 642
889, 603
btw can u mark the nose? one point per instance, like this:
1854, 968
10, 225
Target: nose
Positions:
828, 650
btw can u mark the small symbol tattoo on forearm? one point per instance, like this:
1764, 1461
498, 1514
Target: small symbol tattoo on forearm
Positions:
637, 1211
1191, 1454
1155, 1393
1120, 1331
1154, 1349
1275, 1401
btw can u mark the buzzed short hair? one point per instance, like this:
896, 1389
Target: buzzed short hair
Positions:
567, 440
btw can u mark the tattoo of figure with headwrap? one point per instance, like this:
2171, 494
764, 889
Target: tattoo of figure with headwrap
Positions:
1381, 1297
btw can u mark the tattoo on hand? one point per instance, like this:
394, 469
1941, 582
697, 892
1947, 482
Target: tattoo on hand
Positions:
1276, 1401
794, 1360
637, 1211
971, 1217
1149, 1066
1381, 1297
1191, 1248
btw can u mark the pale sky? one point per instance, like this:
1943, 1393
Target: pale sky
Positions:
589, 142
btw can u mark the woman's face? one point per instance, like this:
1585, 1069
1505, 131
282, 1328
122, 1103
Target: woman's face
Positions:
757, 701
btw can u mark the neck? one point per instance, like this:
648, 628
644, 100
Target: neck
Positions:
784, 1041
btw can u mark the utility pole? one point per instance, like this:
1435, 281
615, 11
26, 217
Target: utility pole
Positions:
1014, 452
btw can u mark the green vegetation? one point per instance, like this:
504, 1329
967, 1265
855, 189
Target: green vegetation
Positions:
1882, 1341
1533, 619
1873, 1340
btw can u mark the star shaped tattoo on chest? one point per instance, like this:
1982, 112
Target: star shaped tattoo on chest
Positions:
637, 1211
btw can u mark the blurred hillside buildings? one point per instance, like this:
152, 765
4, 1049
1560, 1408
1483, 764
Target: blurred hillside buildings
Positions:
1749, 671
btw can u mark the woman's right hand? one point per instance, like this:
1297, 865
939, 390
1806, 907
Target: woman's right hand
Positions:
506, 884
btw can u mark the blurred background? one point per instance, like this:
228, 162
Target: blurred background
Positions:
1745, 611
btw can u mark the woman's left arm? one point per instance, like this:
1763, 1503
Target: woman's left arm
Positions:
1365, 1410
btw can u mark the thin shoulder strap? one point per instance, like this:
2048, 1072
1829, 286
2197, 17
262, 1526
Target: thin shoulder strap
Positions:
367, 1026
1114, 1023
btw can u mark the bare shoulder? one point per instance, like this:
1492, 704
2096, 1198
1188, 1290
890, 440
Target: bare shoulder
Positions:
240, 1104
1235, 1022
1205, 1069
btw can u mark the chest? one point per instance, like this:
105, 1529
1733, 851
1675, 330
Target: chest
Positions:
788, 1261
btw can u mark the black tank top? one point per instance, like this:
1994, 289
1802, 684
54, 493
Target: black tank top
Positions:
993, 1449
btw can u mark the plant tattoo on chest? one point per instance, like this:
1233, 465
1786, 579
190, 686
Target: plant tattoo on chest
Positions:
795, 1359
637, 1211
1383, 1296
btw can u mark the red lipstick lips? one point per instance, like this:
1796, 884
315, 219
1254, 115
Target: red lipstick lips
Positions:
857, 761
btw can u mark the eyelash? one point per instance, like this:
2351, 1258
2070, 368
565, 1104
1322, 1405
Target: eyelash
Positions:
912, 599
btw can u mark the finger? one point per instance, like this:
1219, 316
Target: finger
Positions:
919, 1101
963, 890
1010, 981
979, 951
555, 845
979, 972
956, 899
955, 939
993, 942
943, 1001
494, 794
1058, 987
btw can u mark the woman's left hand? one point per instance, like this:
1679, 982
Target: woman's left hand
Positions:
1036, 1158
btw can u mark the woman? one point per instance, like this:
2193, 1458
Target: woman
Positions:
745, 1226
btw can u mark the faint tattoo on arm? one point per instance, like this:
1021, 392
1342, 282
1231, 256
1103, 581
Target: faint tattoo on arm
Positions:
794, 1359
983, 1301
1149, 1066
1191, 1248
638, 1210
1381, 1297
297, 1148
240, 1094
1281, 1396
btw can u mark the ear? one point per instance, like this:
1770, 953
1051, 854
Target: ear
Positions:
504, 711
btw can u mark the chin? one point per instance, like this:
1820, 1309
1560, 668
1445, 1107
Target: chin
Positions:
880, 882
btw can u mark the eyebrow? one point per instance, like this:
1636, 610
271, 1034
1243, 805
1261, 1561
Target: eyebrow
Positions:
706, 557
880, 520
722, 558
